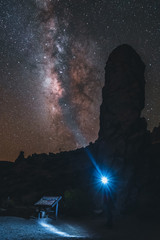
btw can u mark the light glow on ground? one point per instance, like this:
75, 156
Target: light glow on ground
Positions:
51, 228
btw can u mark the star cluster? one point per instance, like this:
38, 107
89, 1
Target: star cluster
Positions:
52, 59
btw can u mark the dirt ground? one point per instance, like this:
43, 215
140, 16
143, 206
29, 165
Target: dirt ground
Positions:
144, 226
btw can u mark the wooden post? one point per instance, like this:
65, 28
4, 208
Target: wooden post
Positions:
56, 210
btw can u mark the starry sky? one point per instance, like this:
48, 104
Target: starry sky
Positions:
52, 59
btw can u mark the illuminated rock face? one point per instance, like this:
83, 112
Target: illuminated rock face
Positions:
123, 100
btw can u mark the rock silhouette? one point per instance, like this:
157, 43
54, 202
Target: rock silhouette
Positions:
121, 127
155, 135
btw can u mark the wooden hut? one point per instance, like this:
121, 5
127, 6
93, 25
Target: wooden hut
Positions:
48, 207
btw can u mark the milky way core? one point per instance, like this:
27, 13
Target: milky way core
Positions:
70, 78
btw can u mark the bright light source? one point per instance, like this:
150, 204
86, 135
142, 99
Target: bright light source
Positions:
104, 180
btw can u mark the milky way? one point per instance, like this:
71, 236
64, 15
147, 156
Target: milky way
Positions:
52, 60
70, 77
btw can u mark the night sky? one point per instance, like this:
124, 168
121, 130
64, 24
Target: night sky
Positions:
52, 59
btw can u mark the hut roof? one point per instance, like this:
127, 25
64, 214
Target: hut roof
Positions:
48, 201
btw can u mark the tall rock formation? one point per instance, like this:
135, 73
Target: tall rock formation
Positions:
122, 131
155, 135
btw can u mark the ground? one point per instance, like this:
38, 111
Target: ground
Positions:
133, 227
